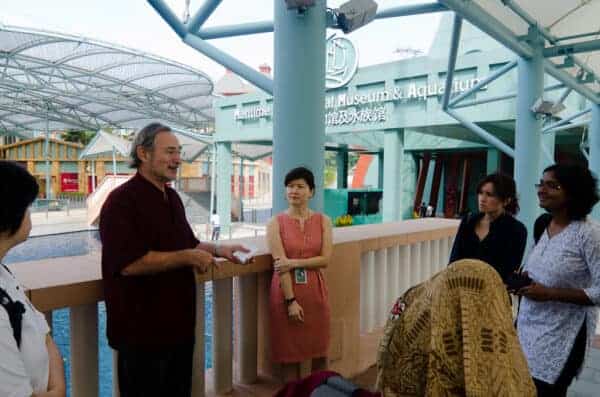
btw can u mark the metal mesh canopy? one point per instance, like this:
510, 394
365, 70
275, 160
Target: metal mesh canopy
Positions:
55, 81
252, 151
565, 23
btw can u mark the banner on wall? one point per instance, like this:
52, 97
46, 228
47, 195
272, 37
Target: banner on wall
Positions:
69, 182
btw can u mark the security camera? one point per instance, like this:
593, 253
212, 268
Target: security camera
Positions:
547, 108
299, 4
355, 14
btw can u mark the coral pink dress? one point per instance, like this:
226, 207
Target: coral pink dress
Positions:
293, 341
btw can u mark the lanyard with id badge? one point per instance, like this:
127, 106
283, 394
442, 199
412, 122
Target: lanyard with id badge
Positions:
300, 276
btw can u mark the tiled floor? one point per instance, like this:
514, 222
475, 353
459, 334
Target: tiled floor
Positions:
588, 383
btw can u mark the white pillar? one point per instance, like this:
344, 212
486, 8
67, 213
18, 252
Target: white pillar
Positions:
381, 275
405, 269
393, 279
415, 264
370, 291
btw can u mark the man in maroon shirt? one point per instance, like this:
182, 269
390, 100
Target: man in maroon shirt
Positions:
149, 254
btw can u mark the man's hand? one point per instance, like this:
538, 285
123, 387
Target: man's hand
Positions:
283, 265
537, 292
227, 251
199, 259
295, 312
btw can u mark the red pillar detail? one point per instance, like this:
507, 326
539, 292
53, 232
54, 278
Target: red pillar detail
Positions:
421, 181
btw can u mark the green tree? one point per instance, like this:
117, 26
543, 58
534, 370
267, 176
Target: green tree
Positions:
78, 136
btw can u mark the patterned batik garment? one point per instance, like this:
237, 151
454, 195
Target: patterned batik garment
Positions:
453, 336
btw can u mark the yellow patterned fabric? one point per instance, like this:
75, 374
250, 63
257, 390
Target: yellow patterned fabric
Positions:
453, 336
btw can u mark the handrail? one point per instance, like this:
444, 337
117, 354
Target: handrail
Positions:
71, 281
370, 266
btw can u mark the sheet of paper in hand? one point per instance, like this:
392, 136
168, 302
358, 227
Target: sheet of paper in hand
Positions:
246, 257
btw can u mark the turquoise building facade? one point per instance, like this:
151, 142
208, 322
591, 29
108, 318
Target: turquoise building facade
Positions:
394, 110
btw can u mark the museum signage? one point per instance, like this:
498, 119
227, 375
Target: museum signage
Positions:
362, 108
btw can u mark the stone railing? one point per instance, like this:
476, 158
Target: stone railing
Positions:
371, 266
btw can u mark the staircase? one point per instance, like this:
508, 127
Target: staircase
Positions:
95, 201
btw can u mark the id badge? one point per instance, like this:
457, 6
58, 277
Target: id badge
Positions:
300, 276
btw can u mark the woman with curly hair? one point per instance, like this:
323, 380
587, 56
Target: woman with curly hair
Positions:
557, 314
493, 235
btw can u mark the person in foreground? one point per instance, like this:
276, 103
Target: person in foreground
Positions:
558, 312
300, 241
149, 255
30, 363
493, 235
453, 336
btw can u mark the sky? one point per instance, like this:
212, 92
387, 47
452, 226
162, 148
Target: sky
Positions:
135, 24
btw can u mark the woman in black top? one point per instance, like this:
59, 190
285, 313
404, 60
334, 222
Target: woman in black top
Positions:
493, 235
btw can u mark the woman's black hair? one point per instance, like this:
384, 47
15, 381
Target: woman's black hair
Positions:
18, 189
301, 173
580, 186
504, 188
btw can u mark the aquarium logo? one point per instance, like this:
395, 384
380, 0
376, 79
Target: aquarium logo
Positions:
342, 62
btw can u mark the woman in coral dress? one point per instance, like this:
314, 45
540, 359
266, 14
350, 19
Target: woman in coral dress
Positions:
301, 244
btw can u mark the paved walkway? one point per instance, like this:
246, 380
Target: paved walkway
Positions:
588, 384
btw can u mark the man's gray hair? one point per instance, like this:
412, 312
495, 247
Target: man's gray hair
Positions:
145, 138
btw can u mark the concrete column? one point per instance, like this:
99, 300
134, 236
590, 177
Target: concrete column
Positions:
393, 173
493, 161
84, 350
528, 132
342, 167
594, 142
299, 97
248, 331
222, 335
225, 167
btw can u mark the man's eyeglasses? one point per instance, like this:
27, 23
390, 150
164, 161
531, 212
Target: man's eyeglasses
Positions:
548, 185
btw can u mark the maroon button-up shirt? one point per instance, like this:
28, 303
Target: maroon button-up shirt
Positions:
153, 312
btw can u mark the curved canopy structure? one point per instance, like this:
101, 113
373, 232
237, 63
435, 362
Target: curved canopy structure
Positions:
55, 81
569, 27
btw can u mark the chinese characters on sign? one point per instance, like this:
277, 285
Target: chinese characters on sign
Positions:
354, 116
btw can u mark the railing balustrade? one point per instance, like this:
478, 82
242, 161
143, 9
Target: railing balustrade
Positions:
371, 266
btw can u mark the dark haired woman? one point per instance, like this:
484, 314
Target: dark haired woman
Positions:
30, 364
557, 315
493, 235
300, 241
